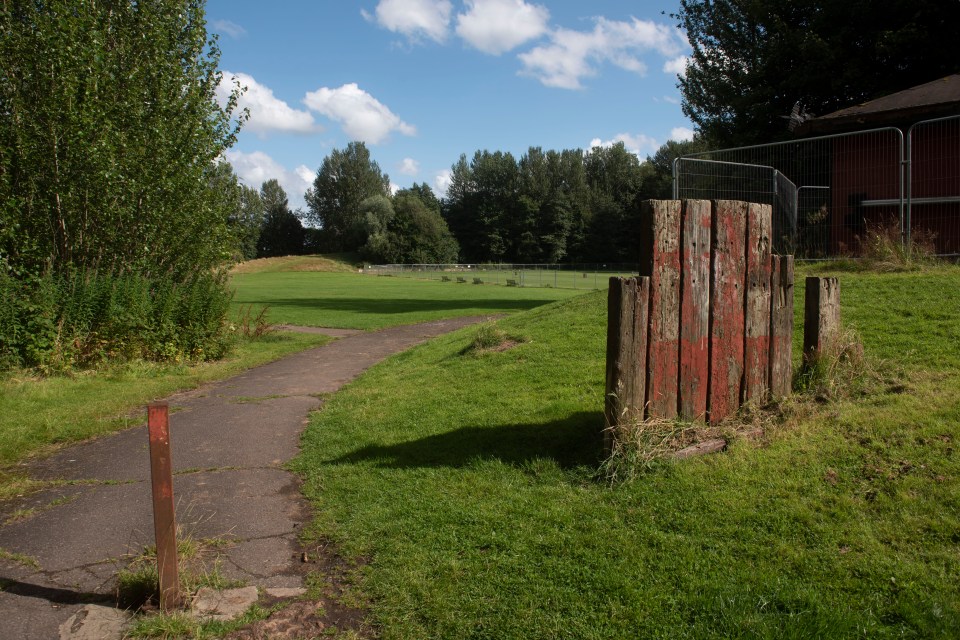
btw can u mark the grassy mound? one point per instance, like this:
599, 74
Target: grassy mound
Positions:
332, 263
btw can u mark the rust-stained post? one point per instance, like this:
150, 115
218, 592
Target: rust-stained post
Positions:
756, 351
781, 326
626, 353
164, 523
694, 308
821, 317
726, 308
660, 260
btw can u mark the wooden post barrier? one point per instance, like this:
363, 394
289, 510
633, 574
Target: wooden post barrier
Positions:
626, 353
727, 308
695, 309
821, 317
164, 521
756, 348
781, 326
660, 261
709, 325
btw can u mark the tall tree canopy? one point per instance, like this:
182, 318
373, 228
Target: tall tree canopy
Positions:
345, 179
109, 135
282, 233
754, 59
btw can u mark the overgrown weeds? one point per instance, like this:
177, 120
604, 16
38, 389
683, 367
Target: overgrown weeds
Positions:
841, 370
198, 563
883, 249
489, 338
640, 445
251, 323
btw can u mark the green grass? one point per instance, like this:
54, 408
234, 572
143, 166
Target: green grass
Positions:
351, 300
38, 414
470, 482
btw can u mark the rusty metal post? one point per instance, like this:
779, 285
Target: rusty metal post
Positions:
164, 522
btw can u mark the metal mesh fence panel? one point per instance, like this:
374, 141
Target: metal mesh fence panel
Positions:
825, 191
933, 185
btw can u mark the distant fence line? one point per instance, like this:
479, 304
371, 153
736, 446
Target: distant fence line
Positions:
560, 276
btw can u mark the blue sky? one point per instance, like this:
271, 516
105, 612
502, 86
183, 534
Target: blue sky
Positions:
422, 81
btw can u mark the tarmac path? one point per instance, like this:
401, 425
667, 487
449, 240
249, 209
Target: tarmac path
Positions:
229, 442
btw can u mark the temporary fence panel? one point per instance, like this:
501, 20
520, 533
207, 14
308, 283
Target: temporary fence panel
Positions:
824, 191
933, 184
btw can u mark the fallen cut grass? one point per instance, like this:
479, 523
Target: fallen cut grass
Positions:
355, 301
471, 484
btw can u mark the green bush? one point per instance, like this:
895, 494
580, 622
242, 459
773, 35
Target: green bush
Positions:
62, 322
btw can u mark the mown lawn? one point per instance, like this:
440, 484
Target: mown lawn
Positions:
355, 301
469, 485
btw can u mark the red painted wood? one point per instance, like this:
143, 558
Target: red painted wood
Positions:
164, 521
694, 308
781, 326
757, 320
727, 308
660, 259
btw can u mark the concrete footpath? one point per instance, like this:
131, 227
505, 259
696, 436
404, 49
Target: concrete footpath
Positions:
229, 442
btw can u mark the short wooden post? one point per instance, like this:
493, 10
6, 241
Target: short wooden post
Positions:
694, 308
727, 308
626, 353
660, 260
164, 522
756, 352
821, 317
781, 326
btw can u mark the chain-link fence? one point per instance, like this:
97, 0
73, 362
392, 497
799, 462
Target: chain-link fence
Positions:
563, 276
827, 191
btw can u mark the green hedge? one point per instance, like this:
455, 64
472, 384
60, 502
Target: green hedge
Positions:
63, 322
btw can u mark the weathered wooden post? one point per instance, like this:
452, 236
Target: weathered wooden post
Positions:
626, 383
727, 308
756, 351
164, 521
660, 260
781, 326
695, 308
821, 317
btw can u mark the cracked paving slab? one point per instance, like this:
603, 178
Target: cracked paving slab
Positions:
229, 442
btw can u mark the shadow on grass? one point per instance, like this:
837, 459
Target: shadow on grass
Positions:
386, 306
572, 442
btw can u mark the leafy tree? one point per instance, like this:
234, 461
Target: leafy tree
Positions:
282, 233
345, 179
658, 181
753, 59
407, 230
615, 180
109, 137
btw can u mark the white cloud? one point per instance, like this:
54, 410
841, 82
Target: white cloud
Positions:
681, 134
637, 144
267, 112
413, 18
574, 55
408, 167
441, 182
232, 29
361, 115
394, 188
496, 26
671, 99
257, 167
676, 66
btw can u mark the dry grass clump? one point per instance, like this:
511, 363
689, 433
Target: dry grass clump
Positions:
882, 249
489, 338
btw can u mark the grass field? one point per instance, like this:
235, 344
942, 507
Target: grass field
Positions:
355, 301
468, 483
510, 275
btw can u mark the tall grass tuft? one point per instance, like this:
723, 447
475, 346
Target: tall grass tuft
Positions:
882, 249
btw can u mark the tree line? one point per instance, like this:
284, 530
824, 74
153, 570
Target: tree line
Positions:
545, 207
